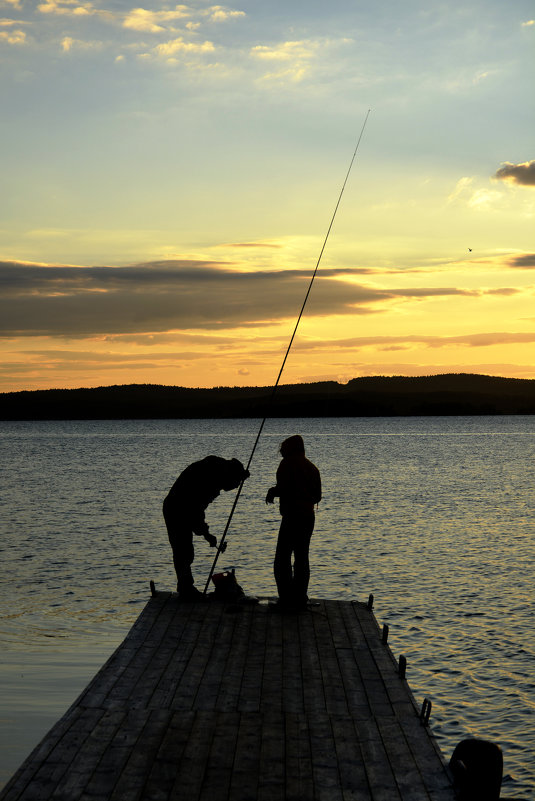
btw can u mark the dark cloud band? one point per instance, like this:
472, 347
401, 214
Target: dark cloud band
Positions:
523, 173
164, 296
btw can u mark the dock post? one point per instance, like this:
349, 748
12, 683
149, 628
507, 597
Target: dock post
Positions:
425, 712
402, 666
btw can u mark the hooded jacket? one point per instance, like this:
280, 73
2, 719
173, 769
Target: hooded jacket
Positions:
298, 479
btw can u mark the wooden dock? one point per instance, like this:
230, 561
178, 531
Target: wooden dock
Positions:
237, 703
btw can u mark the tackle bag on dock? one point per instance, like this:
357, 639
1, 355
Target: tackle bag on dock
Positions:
226, 586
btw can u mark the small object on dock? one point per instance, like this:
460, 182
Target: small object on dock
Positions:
402, 666
226, 586
153, 589
370, 602
384, 637
425, 712
477, 768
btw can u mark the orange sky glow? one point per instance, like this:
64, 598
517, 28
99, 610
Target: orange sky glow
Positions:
162, 221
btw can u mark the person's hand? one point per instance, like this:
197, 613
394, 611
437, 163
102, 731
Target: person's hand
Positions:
270, 497
211, 540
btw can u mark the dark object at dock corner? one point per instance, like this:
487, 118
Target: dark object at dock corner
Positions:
477, 767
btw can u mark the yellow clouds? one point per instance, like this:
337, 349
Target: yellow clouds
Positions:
483, 197
157, 22
147, 21
170, 49
67, 8
141, 19
462, 185
138, 19
221, 14
68, 44
293, 59
175, 29
12, 37
178, 34
295, 56
287, 51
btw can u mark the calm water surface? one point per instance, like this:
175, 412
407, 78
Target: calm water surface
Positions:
434, 516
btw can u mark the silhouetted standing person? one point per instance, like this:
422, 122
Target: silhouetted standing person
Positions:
183, 511
298, 489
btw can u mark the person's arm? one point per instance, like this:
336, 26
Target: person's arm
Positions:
274, 492
200, 528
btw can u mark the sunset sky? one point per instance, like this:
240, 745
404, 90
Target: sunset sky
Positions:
169, 173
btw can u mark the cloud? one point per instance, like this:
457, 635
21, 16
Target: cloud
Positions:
524, 262
68, 44
249, 245
292, 59
71, 301
141, 19
523, 173
503, 291
221, 14
147, 21
460, 187
528, 23
171, 48
483, 198
286, 51
67, 8
109, 358
403, 342
15, 37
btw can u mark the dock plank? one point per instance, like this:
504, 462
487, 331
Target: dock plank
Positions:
226, 702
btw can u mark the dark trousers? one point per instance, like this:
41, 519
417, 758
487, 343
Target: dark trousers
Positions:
294, 540
180, 536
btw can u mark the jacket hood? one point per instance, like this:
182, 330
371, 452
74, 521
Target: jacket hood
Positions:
293, 446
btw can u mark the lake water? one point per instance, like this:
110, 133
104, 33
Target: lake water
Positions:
434, 516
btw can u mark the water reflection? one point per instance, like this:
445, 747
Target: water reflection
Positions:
433, 516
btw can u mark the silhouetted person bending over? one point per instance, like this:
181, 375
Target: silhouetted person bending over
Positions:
298, 489
183, 511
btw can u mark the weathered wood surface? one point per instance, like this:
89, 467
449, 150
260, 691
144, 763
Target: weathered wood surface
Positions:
237, 703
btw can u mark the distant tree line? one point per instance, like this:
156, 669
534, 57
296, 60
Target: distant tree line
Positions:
378, 396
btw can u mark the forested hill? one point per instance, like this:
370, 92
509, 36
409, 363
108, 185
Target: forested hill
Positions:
454, 394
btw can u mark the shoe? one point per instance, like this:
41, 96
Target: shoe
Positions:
301, 605
191, 594
281, 608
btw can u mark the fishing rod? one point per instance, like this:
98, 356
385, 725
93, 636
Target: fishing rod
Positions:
222, 542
